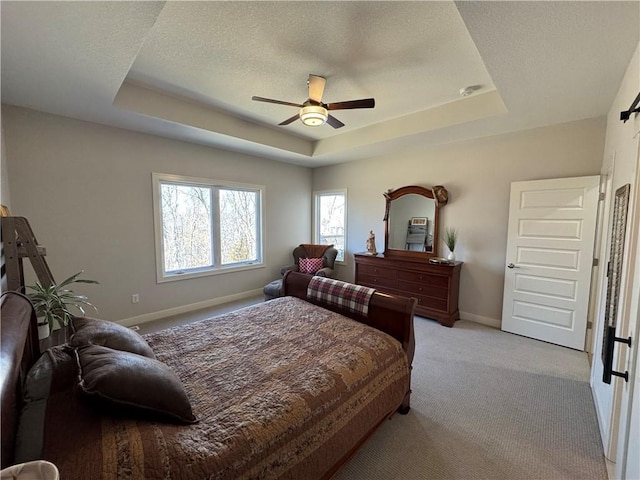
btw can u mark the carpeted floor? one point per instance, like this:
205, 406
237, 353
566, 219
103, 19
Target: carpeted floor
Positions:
488, 405
485, 405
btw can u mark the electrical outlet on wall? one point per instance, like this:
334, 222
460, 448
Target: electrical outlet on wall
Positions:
135, 298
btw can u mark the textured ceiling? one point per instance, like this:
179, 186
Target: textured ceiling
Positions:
188, 69
409, 56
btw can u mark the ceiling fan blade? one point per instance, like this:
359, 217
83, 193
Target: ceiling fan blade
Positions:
334, 122
290, 120
316, 87
278, 102
364, 103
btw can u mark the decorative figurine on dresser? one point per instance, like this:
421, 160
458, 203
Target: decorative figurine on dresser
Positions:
371, 244
410, 265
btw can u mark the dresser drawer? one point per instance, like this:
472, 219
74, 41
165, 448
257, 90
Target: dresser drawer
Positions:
423, 289
377, 281
376, 271
424, 278
432, 303
434, 286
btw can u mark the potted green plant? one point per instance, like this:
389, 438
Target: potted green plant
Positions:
53, 303
450, 240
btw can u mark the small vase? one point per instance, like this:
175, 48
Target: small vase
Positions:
451, 256
43, 330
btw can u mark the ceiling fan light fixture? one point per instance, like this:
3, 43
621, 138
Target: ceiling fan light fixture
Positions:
313, 115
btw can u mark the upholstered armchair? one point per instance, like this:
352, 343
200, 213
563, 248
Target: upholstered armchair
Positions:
311, 259
310, 255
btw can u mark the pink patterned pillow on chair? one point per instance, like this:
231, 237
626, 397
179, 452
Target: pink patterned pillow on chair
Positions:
310, 265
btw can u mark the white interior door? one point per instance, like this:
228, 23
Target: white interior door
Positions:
549, 259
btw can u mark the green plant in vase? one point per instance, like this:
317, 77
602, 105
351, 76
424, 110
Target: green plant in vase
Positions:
54, 303
450, 240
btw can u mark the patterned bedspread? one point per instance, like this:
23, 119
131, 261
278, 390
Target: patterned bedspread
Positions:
282, 389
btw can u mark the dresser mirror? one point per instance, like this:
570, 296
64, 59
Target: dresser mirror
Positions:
411, 221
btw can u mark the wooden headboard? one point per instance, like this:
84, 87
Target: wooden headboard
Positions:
389, 313
19, 350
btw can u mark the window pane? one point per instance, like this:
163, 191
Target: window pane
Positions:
186, 226
331, 221
205, 227
238, 226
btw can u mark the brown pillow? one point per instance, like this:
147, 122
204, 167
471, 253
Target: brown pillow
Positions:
92, 331
132, 384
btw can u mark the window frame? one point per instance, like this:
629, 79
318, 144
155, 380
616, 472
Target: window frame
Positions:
316, 217
217, 268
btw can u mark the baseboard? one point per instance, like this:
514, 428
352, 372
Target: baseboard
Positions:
149, 317
490, 322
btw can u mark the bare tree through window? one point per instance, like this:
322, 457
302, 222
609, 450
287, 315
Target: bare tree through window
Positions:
204, 227
331, 221
186, 221
238, 226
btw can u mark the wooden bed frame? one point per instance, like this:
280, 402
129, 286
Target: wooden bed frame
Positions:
19, 350
387, 313
390, 314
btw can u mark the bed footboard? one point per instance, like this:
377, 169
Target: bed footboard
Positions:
388, 313
18, 352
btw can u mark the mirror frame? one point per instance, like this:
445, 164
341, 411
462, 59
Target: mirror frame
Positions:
439, 196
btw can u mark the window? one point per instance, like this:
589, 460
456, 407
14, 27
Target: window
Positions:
205, 226
330, 219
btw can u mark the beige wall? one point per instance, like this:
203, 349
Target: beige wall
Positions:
477, 174
5, 196
86, 190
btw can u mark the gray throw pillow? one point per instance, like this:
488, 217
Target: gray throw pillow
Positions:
130, 384
93, 331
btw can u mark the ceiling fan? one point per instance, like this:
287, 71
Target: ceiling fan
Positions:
313, 112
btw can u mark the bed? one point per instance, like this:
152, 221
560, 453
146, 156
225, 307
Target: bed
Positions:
290, 388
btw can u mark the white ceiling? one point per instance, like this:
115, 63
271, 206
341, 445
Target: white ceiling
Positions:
188, 70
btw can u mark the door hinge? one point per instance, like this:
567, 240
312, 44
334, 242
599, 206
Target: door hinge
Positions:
595, 262
589, 325
601, 196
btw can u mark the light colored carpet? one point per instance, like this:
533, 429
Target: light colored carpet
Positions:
485, 405
488, 405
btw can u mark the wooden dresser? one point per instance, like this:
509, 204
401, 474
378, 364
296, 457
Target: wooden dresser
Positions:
435, 286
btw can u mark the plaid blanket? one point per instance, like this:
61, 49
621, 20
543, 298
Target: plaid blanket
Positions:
347, 295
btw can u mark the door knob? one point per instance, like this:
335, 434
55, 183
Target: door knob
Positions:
511, 265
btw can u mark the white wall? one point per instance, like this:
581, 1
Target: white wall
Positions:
477, 174
86, 190
622, 160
